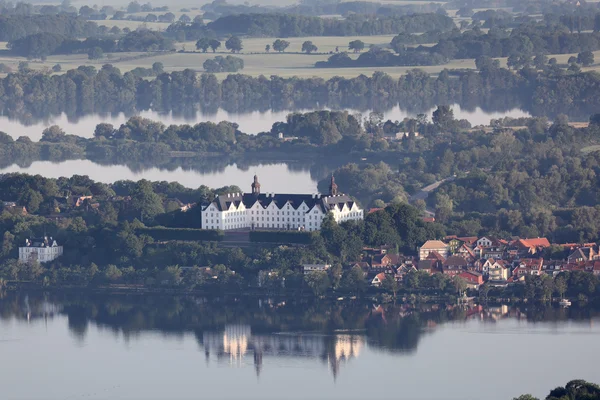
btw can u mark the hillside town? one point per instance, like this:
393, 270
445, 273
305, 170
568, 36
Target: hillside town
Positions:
476, 260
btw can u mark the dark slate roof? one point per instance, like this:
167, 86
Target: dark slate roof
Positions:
326, 203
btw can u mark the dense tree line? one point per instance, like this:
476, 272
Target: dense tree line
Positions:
41, 45
377, 57
17, 26
577, 389
218, 9
289, 25
85, 90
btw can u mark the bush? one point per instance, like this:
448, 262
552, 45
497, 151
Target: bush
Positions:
186, 234
300, 237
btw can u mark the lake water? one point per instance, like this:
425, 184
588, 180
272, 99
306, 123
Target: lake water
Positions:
253, 122
134, 347
276, 177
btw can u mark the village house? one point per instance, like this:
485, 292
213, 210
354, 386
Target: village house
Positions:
527, 247
433, 246
404, 269
497, 271
377, 281
454, 265
582, 254
472, 278
77, 201
308, 268
455, 242
491, 247
529, 266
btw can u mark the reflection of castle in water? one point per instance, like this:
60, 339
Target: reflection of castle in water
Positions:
236, 341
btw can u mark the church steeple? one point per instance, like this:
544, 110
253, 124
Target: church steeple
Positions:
255, 186
333, 189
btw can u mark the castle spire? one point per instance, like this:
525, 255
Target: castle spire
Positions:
333, 188
255, 186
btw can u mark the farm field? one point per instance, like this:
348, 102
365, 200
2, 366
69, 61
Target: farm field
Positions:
281, 64
133, 25
325, 44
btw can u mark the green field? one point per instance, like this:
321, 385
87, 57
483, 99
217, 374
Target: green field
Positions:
257, 62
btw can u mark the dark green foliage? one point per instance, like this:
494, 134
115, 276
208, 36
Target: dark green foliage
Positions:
234, 44
17, 26
183, 234
281, 237
377, 57
308, 47
144, 40
289, 25
280, 45
223, 64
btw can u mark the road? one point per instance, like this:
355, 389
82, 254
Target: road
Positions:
424, 192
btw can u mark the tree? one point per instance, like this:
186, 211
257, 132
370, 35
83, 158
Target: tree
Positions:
308, 47
572, 60
540, 61
95, 53
23, 67
356, 45
7, 243
525, 397
268, 48
185, 19
203, 44
31, 200
585, 58
234, 44
353, 280
104, 130
134, 7
318, 281
390, 285
113, 273
56, 68
280, 45
459, 284
214, 44
443, 116
158, 68
144, 201
560, 284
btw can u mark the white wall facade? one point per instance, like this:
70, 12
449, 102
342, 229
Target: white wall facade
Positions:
272, 217
40, 254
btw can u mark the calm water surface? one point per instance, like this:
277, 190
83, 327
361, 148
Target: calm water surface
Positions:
277, 177
189, 348
252, 122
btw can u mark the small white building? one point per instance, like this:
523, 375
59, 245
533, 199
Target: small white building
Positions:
309, 268
258, 210
41, 250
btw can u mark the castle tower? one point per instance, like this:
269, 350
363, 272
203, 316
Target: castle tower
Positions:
255, 186
333, 189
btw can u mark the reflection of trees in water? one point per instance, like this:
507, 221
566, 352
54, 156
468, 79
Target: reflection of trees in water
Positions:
296, 327
31, 113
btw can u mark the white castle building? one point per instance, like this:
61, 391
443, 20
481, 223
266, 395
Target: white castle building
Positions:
41, 250
278, 211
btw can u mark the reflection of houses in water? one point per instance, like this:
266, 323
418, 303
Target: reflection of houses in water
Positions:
496, 313
237, 340
43, 309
